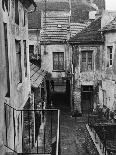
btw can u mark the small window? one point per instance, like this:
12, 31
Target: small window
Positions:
109, 50
5, 4
86, 64
7, 59
16, 12
31, 51
58, 61
18, 61
25, 57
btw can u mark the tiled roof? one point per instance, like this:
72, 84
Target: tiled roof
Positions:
76, 28
35, 17
90, 34
111, 26
36, 75
56, 27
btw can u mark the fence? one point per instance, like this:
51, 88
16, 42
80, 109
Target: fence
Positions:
32, 131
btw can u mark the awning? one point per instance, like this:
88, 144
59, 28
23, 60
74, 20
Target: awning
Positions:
37, 75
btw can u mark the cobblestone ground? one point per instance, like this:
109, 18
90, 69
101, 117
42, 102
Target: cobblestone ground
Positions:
75, 139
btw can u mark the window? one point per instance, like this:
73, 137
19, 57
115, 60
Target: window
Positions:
86, 61
18, 61
31, 51
25, 57
16, 12
7, 60
109, 50
5, 4
58, 61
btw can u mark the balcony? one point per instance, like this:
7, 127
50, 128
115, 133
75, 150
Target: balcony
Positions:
32, 131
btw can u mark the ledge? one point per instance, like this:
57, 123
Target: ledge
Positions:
58, 70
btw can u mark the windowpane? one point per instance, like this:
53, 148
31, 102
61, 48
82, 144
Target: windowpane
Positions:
90, 57
83, 65
109, 51
58, 61
86, 63
83, 56
16, 12
25, 57
7, 59
18, 61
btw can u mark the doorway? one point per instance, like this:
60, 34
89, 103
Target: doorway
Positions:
87, 99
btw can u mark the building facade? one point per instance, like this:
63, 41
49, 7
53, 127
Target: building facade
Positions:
14, 23
87, 49
108, 88
89, 65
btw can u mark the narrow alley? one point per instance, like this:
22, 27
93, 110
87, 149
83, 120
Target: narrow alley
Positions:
75, 139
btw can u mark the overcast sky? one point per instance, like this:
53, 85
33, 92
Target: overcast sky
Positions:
111, 5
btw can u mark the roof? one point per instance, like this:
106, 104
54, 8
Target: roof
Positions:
28, 3
111, 26
37, 75
76, 28
56, 28
91, 34
80, 9
34, 19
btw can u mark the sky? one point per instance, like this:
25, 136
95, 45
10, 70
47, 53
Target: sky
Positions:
111, 5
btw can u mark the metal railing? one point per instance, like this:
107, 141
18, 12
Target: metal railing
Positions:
32, 131
104, 134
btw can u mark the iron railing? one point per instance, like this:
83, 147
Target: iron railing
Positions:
104, 133
32, 131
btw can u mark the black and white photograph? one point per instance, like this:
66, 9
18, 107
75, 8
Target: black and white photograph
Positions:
57, 77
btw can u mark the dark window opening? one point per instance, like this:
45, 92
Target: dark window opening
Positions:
7, 60
25, 57
31, 49
18, 61
5, 4
87, 88
16, 12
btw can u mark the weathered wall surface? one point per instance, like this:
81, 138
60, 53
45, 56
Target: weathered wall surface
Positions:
3, 89
47, 59
110, 72
19, 92
89, 77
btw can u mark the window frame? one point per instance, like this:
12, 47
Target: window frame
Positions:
19, 67
25, 56
86, 60
58, 68
16, 12
110, 55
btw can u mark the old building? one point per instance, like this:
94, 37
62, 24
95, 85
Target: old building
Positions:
16, 92
55, 22
108, 87
3, 79
88, 64
87, 60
